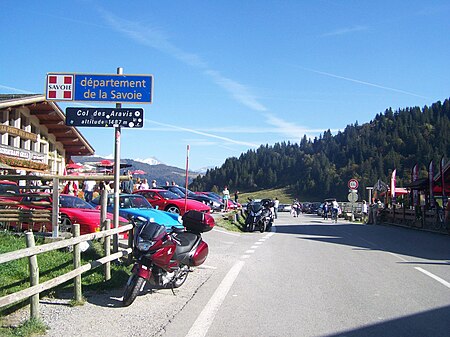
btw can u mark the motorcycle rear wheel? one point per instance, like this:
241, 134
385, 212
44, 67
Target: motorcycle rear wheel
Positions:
132, 289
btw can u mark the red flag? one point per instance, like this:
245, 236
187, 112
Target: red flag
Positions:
393, 183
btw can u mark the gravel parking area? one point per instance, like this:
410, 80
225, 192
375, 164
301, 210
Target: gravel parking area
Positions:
103, 315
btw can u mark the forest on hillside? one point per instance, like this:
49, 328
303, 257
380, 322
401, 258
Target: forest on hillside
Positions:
321, 167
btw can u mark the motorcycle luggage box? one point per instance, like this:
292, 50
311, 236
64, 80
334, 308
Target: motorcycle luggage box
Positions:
197, 222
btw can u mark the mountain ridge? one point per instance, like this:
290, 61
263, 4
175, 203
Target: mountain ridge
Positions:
159, 172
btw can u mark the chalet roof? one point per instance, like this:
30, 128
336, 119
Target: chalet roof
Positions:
51, 116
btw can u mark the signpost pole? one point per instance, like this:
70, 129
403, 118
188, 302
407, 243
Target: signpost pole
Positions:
187, 180
116, 176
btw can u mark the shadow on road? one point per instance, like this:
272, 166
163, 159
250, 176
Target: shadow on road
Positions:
429, 323
398, 240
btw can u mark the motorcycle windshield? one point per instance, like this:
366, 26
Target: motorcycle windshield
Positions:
150, 230
256, 207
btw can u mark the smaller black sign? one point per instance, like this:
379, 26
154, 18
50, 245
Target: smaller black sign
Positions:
105, 117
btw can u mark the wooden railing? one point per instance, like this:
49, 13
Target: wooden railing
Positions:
31, 251
420, 218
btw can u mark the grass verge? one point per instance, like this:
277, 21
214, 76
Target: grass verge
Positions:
32, 327
14, 275
232, 221
284, 195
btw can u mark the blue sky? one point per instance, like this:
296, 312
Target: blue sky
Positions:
231, 75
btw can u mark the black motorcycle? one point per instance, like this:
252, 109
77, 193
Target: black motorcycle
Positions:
259, 215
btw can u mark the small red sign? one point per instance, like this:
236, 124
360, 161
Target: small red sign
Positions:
353, 184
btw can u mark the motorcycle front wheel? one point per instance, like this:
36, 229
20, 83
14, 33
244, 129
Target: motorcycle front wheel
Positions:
262, 226
132, 289
181, 277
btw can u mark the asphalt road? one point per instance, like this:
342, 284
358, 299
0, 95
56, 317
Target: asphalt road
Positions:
308, 277
313, 278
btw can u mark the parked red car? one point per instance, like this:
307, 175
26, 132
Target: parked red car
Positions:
8, 190
171, 202
231, 203
72, 210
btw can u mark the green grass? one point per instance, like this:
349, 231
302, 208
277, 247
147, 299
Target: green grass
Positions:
226, 220
14, 275
32, 327
284, 195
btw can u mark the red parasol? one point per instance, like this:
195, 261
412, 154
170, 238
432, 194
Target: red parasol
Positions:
137, 172
73, 166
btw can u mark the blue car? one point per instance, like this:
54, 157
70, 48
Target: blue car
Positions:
137, 205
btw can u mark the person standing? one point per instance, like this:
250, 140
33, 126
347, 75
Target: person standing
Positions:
276, 202
137, 184
127, 185
334, 210
365, 211
325, 210
88, 189
236, 196
225, 196
144, 184
71, 188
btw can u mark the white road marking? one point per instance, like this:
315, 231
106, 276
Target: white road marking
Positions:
399, 257
226, 232
437, 278
254, 247
206, 317
204, 266
250, 251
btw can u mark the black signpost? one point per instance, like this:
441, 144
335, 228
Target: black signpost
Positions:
113, 88
105, 117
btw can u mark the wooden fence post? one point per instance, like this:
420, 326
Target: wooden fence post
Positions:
107, 246
34, 276
77, 263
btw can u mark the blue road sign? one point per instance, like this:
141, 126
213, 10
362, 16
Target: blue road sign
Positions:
113, 88
105, 117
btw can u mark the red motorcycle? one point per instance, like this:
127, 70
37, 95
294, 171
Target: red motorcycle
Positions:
164, 259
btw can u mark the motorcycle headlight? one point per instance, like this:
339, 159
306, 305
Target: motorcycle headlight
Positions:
259, 212
144, 245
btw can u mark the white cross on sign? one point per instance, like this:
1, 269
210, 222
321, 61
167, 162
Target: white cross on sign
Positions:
60, 87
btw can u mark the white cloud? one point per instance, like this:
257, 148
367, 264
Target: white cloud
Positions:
346, 30
156, 39
364, 83
202, 133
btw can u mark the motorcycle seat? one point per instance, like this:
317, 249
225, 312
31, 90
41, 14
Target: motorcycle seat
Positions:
186, 241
